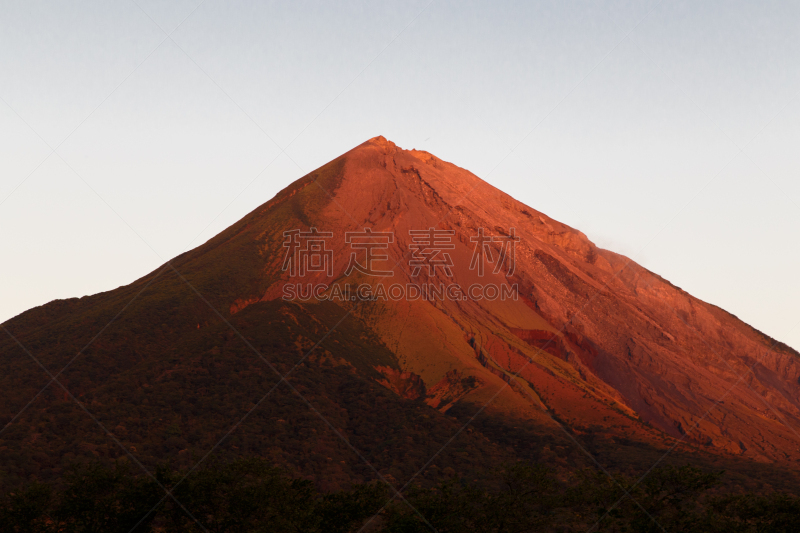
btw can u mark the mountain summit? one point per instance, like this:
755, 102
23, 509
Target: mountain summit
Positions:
401, 294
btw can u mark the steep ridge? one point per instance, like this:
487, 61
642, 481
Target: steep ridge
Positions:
584, 342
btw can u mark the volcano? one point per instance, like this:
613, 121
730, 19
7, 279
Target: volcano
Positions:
393, 313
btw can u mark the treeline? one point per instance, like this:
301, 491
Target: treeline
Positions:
250, 495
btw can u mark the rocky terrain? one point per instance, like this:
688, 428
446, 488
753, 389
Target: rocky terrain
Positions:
555, 341
593, 337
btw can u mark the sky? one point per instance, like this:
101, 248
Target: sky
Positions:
667, 131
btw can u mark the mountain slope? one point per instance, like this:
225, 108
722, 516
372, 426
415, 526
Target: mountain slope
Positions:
623, 341
593, 344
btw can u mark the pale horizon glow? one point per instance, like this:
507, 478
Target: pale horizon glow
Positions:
664, 131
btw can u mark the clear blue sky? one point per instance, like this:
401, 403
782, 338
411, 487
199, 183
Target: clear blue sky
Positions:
666, 131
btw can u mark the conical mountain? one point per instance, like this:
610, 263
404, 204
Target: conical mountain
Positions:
404, 296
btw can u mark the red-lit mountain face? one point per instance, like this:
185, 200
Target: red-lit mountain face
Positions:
593, 338
403, 294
